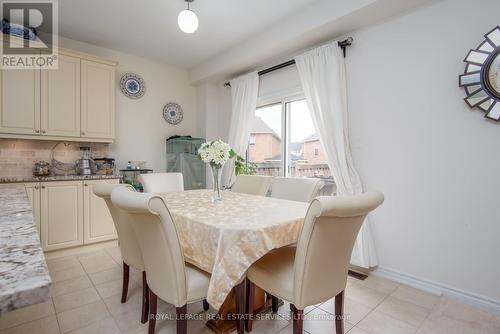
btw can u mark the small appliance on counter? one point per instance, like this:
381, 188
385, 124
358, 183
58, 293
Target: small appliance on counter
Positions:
41, 168
104, 166
85, 165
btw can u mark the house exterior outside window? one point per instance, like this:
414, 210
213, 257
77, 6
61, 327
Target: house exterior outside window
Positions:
299, 154
266, 143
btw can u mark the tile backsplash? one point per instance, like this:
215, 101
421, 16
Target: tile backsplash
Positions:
17, 156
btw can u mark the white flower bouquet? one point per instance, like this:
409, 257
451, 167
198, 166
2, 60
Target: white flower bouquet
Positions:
216, 153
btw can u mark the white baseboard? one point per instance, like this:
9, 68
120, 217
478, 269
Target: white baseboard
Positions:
80, 249
483, 302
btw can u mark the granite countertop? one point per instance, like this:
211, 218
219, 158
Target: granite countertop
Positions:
24, 278
50, 178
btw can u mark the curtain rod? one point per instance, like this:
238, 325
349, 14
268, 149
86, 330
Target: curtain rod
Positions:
343, 44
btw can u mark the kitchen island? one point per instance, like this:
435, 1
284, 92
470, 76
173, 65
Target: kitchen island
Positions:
70, 177
24, 278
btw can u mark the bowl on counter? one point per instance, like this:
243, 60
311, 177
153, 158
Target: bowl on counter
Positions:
41, 168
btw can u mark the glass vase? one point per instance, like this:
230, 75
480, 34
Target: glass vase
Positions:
216, 173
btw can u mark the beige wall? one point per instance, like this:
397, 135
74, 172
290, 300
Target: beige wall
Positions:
426, 150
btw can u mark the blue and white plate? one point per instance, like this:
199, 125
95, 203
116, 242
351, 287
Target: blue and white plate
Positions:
172, 113
132, 85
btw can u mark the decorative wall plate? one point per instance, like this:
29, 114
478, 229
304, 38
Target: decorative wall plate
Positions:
481, 79
172, 113
132, 85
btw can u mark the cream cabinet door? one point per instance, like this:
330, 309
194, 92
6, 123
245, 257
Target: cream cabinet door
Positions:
33, 191
98, 223
98, 100
20, 102
60, 98
61, 214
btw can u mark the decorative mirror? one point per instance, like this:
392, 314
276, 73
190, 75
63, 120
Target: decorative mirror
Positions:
481, 79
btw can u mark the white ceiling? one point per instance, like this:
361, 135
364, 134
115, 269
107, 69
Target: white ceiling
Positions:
321, 22
149, 27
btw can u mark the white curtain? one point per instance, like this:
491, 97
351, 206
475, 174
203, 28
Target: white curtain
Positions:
323, 78
244, 91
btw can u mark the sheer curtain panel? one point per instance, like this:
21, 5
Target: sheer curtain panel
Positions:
323, 78
244, 91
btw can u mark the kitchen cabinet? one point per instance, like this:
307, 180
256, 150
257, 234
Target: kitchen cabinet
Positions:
68, 214
61, 214
75, 102
33, 191
20, 102
98, 100
60, 98
98, 223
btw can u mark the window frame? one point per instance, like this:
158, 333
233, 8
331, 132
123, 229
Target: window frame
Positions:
285, 125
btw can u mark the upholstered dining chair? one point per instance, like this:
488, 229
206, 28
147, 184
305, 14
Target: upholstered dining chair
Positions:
162, 182
168, 276
298, 189
252, 184
129, 248
316, 270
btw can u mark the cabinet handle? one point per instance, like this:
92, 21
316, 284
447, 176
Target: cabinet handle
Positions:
85, 184
37, 131
43, 187
36, 187
83, 133
43, 131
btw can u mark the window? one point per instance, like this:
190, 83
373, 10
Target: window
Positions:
266, 150
286, 129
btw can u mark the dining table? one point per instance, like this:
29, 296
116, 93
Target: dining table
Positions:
225, 237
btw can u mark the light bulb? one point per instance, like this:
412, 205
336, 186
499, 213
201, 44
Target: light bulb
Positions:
187, 21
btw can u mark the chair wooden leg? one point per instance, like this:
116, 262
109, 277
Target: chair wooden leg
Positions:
206, 306
153, 303
339, 313
181, 319
274, 305
145, 299
240, 307
298, 320
126, 275
250, 305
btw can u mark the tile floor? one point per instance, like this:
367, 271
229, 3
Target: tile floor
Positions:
86, 299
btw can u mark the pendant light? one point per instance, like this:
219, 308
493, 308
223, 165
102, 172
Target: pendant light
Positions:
187, 20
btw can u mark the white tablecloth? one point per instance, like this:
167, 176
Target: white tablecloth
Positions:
225, 238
